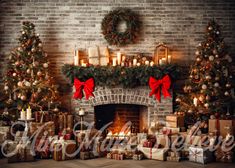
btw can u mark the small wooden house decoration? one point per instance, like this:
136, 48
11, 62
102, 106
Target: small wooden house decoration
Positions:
161, 54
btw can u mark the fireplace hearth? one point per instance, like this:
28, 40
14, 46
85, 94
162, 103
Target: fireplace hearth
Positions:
109, 104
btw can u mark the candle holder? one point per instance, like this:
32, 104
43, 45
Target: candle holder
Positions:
81, 114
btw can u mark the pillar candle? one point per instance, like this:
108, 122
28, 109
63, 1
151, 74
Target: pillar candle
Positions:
134, 62
81, 112
195, 101
22, 114
160, 62
114, 61
119, 58
147, 62
169, 59
151, 63
163, 60
123, 58
28, 113
76, 57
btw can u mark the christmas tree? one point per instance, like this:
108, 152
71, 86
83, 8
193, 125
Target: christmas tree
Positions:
27, 81
208, 90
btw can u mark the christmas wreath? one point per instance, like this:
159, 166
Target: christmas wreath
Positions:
112, 20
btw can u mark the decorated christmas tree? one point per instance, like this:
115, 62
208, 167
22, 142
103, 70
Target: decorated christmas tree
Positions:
27, 80
208, 90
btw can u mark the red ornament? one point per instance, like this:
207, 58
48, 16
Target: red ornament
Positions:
158, 85
88, 87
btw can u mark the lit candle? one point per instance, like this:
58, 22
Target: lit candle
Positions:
134, 62
28, 113
119, 57
76, 56
147, 62
169, 59
138, 64
83, 64
151, 63
81, 112
123, 58
114, 61
22, 114
212, 141
123, 64
195, 101
160, 62
163, 60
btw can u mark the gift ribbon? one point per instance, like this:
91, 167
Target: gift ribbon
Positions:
195, 154
87, 86
158, 86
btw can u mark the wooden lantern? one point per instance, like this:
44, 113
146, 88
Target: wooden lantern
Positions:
161, 54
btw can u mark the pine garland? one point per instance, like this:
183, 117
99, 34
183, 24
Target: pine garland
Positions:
125, 76
111, 21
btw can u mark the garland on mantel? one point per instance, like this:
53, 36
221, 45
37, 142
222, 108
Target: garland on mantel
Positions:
113, 76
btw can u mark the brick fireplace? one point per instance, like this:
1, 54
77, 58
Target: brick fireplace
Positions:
134, 99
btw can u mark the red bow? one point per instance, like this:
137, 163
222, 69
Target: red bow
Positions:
158, 85
88, 87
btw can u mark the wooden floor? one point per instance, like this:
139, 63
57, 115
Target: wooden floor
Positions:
107, 163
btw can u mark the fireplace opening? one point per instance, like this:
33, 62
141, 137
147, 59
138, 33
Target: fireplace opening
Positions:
119, 115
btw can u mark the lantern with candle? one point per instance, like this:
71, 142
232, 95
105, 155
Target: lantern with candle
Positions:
161, 54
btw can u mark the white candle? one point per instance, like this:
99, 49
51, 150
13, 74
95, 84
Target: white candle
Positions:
134, 62
151, 63
195, 101
169, 59
122, 64
114, 61
81, 112
160, 62
76, 57
147, 62
83, 64
212, 141
163, 60
28, 113
119, 58
22, 114
138, 64
123, 58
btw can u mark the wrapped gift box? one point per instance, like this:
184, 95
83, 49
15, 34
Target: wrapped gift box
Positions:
224, 156
154, 153
163, 140
41, 128
225, 125
62, 150
22, 154
175, 121
200, 155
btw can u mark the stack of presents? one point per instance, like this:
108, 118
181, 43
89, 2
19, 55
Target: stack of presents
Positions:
51, 136
173, 142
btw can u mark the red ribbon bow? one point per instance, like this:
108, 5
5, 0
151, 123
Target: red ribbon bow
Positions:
88, 87
158, 85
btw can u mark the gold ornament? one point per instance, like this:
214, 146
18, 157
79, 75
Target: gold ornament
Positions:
6, 87
39, 73
28, 71
228, 85
45, 65
23, 97
33, 49
226, 93
216, 84
198, 59
206, 105
210, 28
208, 77
204, 87
20, 84
40, 45
217, 78
197, 52
201, 98
211, 58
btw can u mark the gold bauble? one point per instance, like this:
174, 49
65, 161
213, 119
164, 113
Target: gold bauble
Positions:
23, 97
